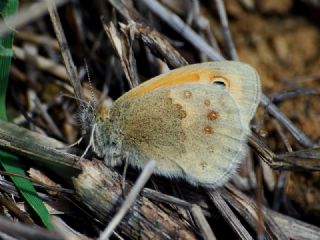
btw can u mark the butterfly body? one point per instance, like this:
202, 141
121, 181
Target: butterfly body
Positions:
193, 121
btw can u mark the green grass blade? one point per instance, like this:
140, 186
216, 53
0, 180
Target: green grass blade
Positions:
8, 161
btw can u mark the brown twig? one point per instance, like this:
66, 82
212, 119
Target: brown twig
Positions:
247, 208
307, 159
282, 178
37, 39
275, 112
66, 232
151, 37
142, 180
101, 190
65, 52
228, 215
195, 210
259, 203
13, 209
177, 24
225, 30
38, 183
23, 231
42, 108
202, 223
155, 195
122, 44
43, 63
294, 93
26, 15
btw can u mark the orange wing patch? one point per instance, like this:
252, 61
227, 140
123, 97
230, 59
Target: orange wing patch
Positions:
196, 74
187, 75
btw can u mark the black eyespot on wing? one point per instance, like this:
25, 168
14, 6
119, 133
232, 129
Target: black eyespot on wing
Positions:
220, 83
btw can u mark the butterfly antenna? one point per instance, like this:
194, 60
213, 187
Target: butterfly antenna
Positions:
93, 99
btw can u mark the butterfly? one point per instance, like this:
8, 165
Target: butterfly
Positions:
192, 121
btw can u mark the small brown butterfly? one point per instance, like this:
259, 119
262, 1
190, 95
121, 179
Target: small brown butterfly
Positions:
193, 121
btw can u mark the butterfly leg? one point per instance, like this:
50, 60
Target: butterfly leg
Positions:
125, 168
71, 145
90, 142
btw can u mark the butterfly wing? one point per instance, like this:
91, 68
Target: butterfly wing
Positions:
243, 84
241, 80
193, 131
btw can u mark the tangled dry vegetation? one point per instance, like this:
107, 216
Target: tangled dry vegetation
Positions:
276, 194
